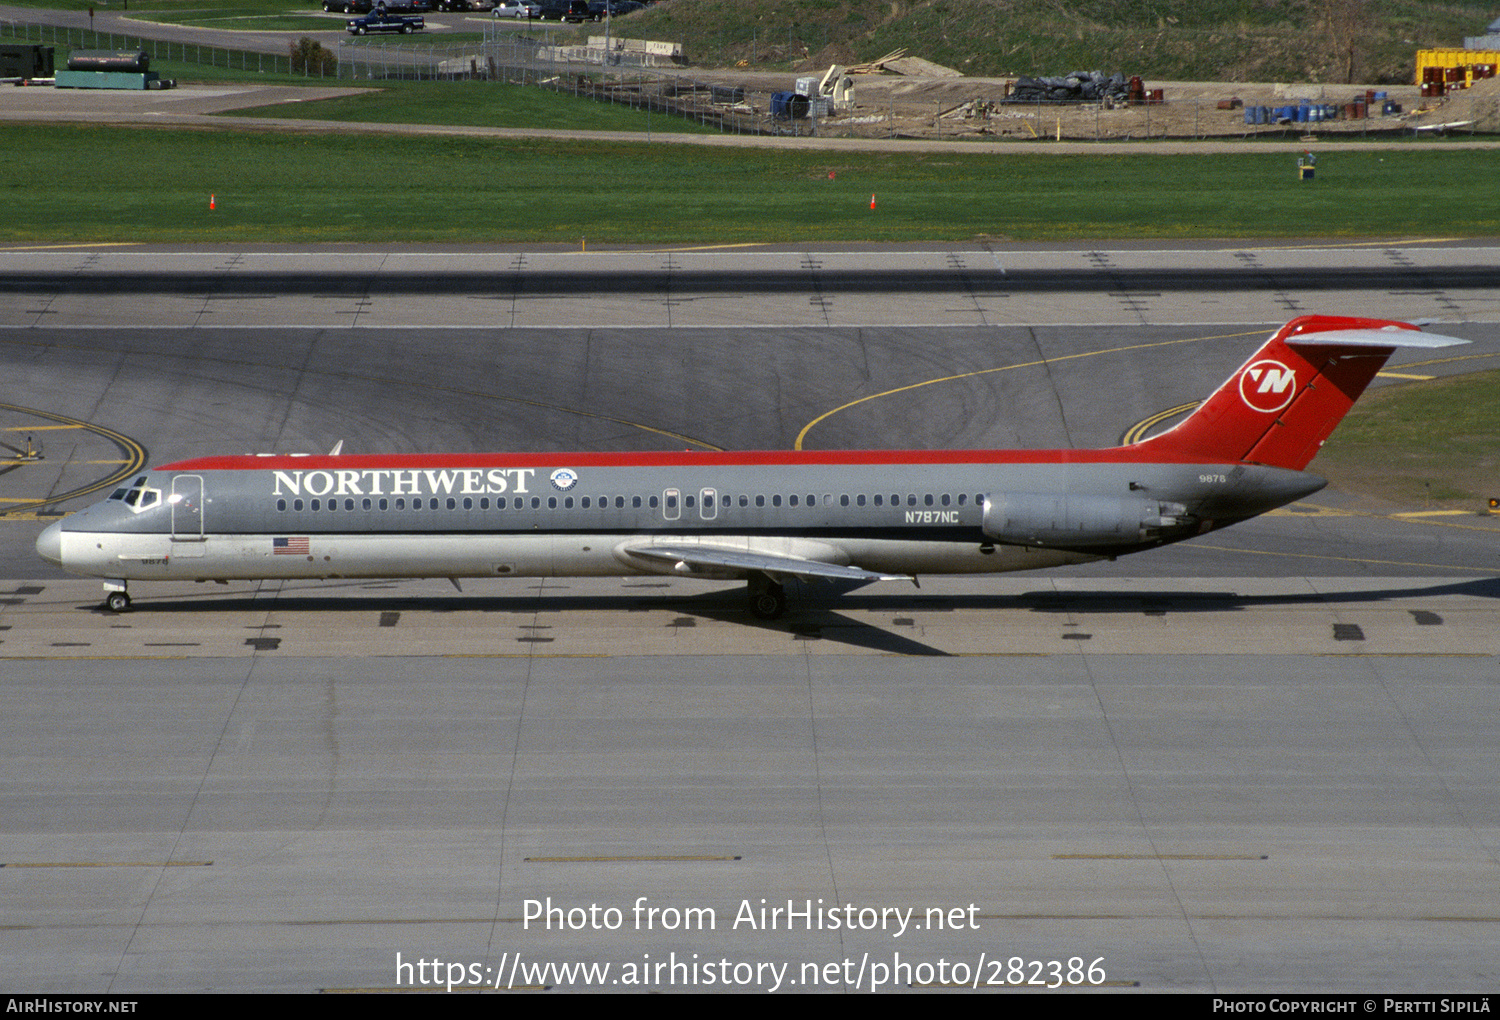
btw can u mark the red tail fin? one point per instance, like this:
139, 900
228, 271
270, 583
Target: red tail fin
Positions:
1279, 407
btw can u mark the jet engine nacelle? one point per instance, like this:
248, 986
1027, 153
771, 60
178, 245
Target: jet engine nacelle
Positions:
1031, 518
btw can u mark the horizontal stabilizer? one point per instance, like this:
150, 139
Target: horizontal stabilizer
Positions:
1374, 338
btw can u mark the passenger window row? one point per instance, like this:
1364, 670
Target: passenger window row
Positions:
811, 500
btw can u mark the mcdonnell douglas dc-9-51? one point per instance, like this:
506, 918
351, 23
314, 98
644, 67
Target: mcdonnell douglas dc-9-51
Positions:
760, 517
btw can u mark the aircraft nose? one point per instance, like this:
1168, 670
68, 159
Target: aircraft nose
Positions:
49, 544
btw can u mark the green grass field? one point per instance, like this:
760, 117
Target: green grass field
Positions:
1416, 443
146, 184
477, 104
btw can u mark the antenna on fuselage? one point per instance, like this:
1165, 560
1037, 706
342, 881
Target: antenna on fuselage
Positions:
338, 448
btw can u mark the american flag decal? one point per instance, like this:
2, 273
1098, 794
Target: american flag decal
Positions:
289, 546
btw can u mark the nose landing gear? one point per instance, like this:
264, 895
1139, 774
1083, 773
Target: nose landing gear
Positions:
116, 597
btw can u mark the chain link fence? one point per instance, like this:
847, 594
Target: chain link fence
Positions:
534, 58
160, 49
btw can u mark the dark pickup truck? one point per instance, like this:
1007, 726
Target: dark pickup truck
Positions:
381, 21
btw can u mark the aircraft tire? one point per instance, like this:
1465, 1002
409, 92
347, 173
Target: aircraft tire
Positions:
117, 602
769, 602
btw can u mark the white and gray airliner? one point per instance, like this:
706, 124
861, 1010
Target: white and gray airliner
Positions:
761, 517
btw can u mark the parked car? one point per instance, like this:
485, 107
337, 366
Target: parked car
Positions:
517, 9
576, 11
614, 8
349, 6
384, 21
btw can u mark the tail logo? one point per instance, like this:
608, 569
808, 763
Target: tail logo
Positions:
1268, 386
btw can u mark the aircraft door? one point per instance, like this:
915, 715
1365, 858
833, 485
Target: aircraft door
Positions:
708, 506
671, 504
187, 508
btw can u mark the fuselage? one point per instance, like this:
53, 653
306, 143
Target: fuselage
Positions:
764, 517
906, 513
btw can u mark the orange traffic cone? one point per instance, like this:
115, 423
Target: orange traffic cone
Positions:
210, 201
872, 201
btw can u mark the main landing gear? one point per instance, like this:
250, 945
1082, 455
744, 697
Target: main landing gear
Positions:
767, 598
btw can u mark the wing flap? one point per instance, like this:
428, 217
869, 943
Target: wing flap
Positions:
708, 558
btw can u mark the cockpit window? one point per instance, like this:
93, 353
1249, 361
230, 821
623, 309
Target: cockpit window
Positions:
138, 497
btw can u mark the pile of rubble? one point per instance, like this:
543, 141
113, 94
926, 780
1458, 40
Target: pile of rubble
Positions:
1079, 86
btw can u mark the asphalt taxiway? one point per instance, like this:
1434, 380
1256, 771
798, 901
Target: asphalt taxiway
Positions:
1263, 762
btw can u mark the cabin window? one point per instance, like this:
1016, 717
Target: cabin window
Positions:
962, 497
911, 499
776, 499
315, 505
484, 502
468, 503
584, 503
792, 500
653, 502
635, 501
860, 499
744, 501
844, 499
927, 500
280, 505
385, 504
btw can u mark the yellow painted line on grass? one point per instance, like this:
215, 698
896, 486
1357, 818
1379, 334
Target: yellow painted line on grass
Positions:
1403, 375
59, 247
712, 247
